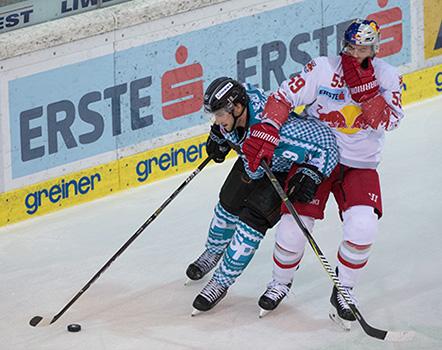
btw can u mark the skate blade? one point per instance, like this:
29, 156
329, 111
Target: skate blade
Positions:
263, 312
190, 282
195, 312
344, 324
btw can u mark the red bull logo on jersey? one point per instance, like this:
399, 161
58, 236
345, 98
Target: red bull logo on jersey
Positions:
344, 120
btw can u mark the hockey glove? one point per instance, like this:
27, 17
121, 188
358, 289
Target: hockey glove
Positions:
260, 145
375, 112
360, 78
217, 146
303, 185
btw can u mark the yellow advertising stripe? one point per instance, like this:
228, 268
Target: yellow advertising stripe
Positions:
159, 163
422, 84
99, 181
58, 193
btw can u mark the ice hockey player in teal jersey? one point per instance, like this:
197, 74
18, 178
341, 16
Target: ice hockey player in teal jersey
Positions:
248, 204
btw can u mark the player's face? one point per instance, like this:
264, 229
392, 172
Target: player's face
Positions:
224, 119
359, 52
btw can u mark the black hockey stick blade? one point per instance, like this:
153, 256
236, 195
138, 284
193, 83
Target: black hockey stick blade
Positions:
393, 336
39, 321
35, 321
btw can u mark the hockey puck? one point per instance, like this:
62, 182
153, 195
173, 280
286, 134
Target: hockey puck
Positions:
74, 327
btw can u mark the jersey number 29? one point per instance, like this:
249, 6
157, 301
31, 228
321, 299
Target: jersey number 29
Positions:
296, 83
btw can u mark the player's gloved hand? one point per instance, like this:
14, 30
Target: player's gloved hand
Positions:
360, 78
303, 185
360, 122
217, 146
376, 112
260, 145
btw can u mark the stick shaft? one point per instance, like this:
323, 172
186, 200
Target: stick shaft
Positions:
131, 239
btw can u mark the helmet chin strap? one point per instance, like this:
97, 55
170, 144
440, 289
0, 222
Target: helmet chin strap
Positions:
236, 117
240, 130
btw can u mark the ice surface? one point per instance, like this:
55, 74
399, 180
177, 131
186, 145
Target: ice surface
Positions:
140, 302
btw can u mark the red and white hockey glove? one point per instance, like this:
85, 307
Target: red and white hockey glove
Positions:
277, 109
360, 78
375, 112
260, 145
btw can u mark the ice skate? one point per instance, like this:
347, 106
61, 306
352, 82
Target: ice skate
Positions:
340, 312
271, 298
201, 266
211, 295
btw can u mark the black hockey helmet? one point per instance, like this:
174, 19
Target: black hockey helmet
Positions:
224, 93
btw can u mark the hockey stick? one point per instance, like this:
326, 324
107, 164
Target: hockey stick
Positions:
36, 320
396, 336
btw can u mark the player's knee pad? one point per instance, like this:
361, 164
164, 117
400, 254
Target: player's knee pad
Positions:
360, 225
288, 234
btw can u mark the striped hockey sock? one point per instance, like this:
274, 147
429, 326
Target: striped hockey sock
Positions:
352, 258
239, 253
221, 230
285, 263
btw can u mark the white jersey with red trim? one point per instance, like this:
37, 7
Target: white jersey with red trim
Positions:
320, 86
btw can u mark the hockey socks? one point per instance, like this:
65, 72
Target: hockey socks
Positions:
221, 230
285, 263
239, 253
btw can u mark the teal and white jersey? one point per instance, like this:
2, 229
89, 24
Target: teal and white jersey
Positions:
302, 140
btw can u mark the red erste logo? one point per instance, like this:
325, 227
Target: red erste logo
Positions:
182, 88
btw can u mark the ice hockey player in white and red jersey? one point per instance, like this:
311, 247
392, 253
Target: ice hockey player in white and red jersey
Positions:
359, 96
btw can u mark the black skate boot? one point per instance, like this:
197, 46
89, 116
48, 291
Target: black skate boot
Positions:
202, 266
271, 298
211, 295
340, 312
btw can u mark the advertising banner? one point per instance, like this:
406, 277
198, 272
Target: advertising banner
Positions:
423, 84
76, 111
432, 28
81, 110
25, 13
96, 182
